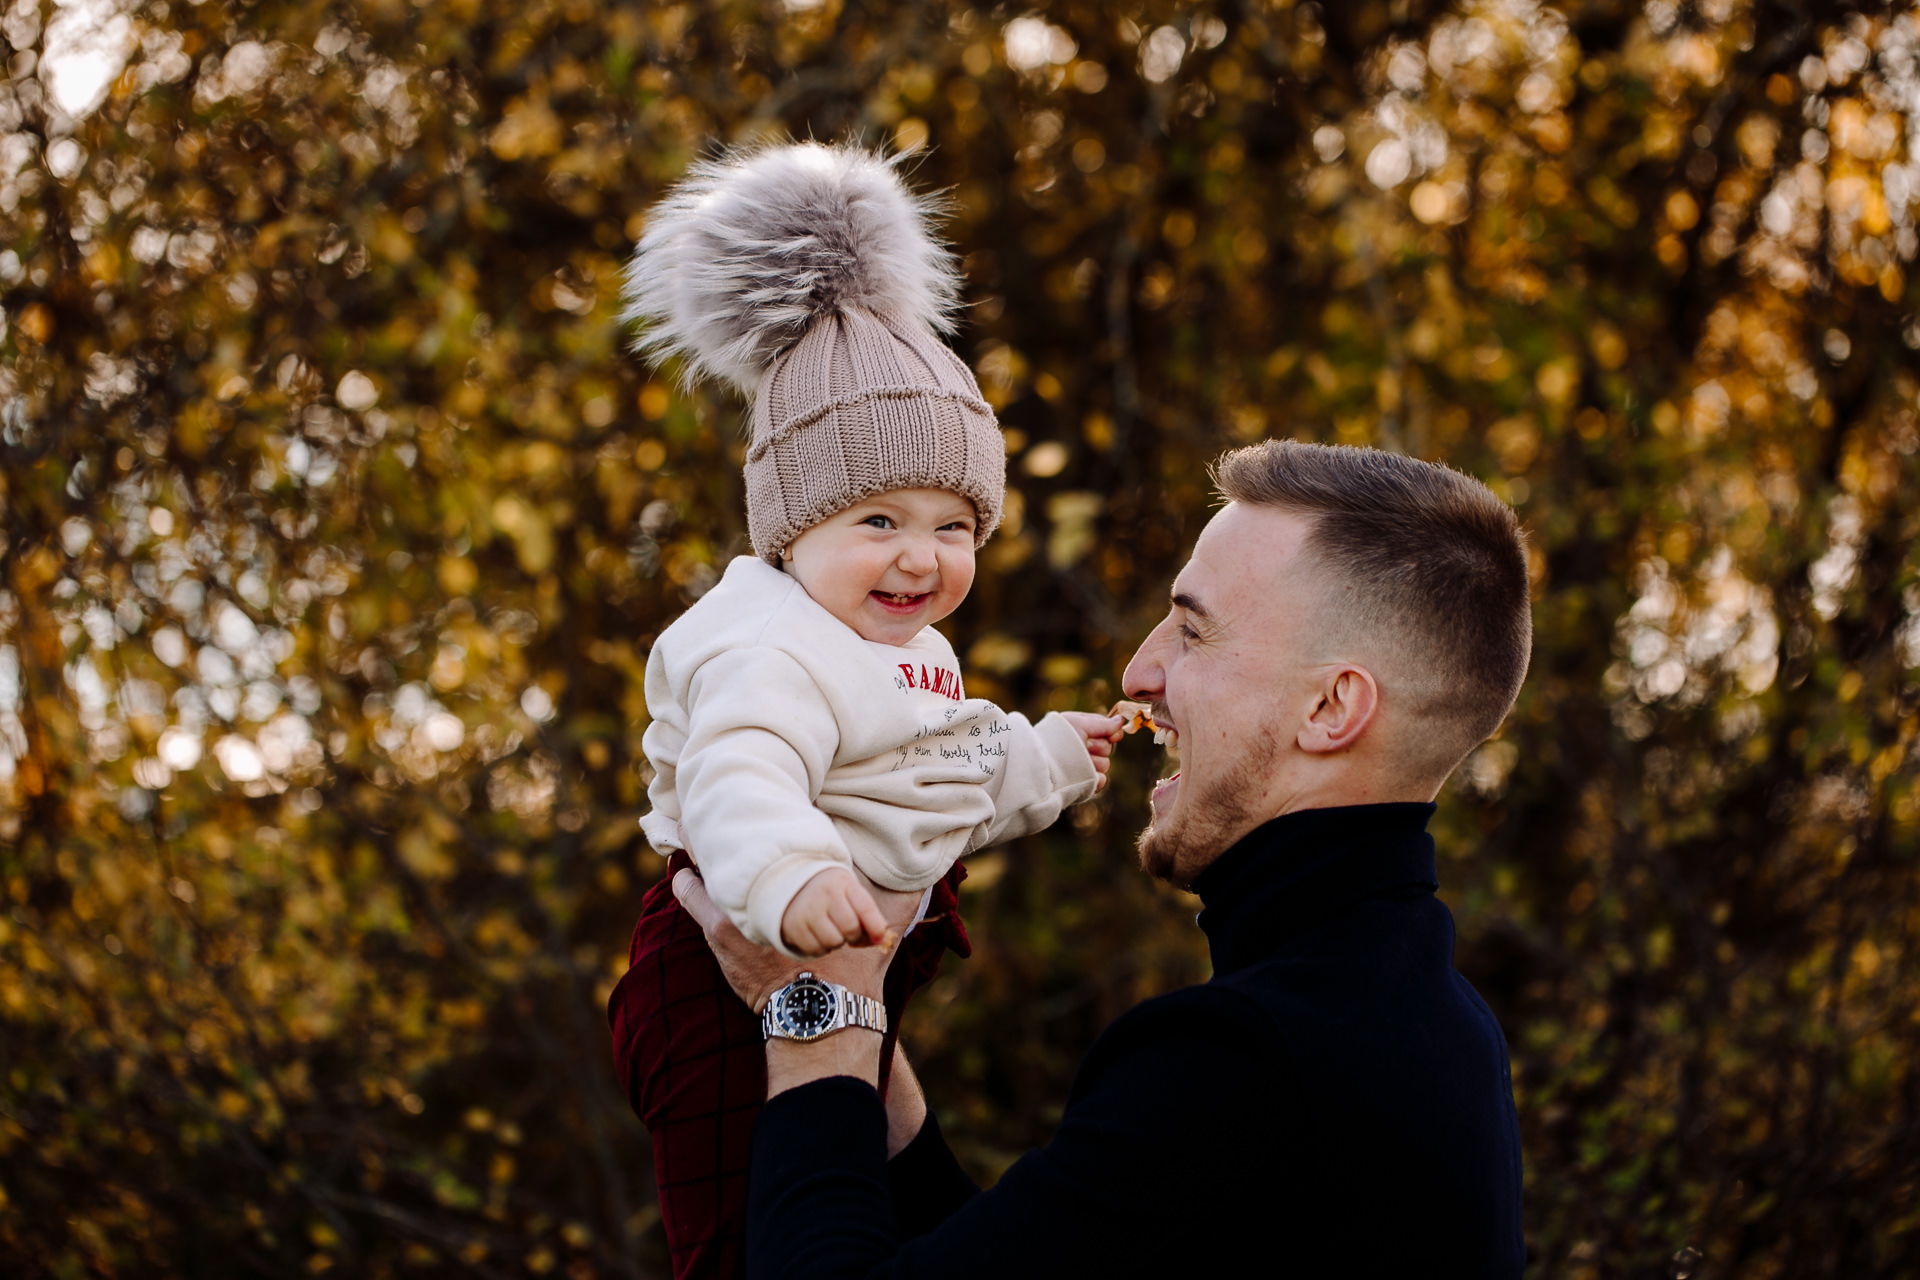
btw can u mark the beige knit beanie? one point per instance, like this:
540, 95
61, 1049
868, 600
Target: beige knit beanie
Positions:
806, 276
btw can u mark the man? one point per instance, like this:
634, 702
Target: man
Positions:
1335, 1101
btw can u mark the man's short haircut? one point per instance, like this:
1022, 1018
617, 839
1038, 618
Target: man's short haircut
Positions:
1422, 557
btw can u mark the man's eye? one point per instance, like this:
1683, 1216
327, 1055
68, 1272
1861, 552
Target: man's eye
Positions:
1188, 633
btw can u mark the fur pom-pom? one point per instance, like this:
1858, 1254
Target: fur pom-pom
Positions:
749, 250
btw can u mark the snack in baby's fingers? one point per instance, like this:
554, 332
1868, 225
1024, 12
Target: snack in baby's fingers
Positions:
1138, 716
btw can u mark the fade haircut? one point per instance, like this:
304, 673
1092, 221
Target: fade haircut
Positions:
1422, 559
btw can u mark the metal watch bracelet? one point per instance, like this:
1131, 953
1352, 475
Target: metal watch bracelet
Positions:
800, 1010
863, 1011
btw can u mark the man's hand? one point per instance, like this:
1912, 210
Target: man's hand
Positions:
1100, 732
755, 973
832, 910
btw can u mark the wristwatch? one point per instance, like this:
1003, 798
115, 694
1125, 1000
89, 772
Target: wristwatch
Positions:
808, 1008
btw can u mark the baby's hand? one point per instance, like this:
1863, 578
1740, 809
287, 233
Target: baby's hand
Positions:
832, 910
1100, 732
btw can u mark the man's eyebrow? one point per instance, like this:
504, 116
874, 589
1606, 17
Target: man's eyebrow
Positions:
1182, 600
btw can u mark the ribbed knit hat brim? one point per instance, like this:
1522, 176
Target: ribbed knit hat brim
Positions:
864, 404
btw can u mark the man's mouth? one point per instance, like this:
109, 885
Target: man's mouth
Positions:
1166, 735
899, 601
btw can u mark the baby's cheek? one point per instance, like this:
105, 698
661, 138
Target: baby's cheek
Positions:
957, 574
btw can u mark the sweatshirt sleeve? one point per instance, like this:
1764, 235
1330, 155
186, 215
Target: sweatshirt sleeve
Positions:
1047, 771
905, 826
760, 739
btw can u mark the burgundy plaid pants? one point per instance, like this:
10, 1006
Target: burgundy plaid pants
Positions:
692, 1061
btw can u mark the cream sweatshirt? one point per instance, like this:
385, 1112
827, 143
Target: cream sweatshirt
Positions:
783, 744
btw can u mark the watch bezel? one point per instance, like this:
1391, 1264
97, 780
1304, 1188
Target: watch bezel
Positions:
784, 1018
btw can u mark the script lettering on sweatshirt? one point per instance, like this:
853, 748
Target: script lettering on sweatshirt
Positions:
969, 745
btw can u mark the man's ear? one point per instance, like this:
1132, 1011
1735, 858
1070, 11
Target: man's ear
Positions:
1348, 698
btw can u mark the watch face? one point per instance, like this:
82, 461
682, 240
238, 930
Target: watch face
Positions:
807, 1008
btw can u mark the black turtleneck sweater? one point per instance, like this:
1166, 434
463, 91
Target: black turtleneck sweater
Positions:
1335, 1101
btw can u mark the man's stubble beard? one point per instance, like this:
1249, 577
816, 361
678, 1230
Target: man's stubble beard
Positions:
1205, 824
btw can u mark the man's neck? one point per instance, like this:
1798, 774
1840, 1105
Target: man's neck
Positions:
1338, 791
1353, 782
1295, 869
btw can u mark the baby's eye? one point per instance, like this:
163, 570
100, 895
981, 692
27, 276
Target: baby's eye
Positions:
878, 522
958, 526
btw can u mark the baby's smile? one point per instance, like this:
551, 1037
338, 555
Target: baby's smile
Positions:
899, 601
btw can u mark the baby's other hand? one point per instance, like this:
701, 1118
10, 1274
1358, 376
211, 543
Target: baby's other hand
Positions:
1100, 733
832, 910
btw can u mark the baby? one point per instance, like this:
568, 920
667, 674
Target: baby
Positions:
815, 754
812, 742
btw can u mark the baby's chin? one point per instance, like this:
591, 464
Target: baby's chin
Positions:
891, 631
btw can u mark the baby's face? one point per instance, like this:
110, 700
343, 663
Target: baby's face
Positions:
890, 564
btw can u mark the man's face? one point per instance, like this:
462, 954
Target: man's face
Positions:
1229, 670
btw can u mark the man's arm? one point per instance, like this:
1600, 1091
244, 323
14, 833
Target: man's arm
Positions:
1172, 1158
928, 1184
906, 1105
1172, 1152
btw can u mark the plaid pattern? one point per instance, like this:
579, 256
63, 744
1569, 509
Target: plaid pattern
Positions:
691, 1059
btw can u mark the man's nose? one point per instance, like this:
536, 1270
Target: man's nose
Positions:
1144, 680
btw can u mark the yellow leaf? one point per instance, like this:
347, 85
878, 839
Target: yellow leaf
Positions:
36, 321
530, 530
423, 856
37, 567
530, 128
458, 575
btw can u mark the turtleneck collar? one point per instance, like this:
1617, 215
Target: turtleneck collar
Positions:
1300, 869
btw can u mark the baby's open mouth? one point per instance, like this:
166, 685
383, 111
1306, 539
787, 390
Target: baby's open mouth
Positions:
899, 599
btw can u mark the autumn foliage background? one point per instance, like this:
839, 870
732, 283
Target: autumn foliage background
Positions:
335, 524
